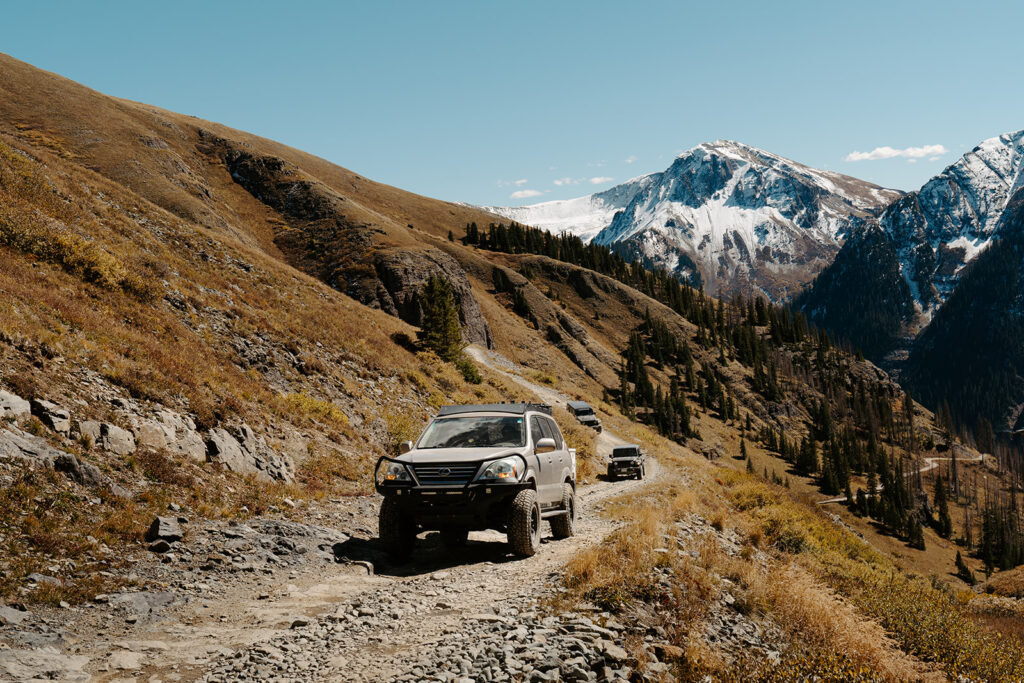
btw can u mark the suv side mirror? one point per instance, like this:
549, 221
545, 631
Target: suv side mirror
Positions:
404, 447
545, 445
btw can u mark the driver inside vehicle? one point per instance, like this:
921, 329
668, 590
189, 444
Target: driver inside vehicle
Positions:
474, 432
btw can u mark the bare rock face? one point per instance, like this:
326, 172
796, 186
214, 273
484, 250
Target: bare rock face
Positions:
13, 407
109, 437
398, 285
241, 450
171, 431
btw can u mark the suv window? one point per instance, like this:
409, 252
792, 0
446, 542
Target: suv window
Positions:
537, 429
556, 433
626, 452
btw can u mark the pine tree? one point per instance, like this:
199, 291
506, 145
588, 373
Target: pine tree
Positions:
963, 571
743, 449
439, 326
944, 524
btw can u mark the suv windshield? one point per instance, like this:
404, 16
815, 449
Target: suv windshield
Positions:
474, 432
627, 452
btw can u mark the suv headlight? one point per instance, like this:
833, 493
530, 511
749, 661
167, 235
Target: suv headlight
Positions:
396, 472
506, 469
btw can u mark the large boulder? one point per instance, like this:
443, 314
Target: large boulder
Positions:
165, 529
15, 443
13, 407
53, 416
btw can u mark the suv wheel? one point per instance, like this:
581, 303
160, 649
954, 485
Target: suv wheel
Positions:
524, 523
454, 536
397, 530
563, 526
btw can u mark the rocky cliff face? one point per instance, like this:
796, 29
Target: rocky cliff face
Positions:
730, 216
346, 254
397, 287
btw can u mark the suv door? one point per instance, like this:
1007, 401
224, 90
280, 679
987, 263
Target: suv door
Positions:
563, 460
546, 467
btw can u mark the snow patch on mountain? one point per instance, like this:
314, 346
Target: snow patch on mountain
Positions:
582, 216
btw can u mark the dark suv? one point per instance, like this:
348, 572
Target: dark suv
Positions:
501, 466
585, 414
627, 461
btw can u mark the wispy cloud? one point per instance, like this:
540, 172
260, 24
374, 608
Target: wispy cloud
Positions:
600, 179
525, 194
631, 159
520, 182
933, 152
559, 182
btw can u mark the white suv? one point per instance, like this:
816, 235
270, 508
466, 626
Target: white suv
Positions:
502, 466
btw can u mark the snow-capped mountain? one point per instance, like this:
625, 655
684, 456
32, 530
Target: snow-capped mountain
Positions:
889, 281
939, 229
733, 217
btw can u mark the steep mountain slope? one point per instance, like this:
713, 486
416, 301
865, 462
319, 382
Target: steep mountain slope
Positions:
971, 354
939, 229
900, 275
727, 215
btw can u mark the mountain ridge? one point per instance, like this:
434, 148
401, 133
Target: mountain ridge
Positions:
723, 214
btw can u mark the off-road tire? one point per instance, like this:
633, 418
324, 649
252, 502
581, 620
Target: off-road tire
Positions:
454, 536
564, 526
397, 531
524, 523
612, 477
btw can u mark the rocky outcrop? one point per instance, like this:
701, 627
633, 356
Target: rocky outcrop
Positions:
109, 437
171, 431
53, 416
243, 452
15, 443
397, 286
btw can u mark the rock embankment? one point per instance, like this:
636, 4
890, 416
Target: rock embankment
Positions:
237, 447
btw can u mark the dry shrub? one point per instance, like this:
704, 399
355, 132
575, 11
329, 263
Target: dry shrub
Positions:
323, 473
618, 569
158, 466
445, 374
401, 426
815, 616
1009, 583
308, 408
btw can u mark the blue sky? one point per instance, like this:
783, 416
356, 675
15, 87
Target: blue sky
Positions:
512, 103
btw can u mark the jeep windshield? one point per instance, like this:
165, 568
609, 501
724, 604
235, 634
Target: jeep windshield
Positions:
474, 432
630, 452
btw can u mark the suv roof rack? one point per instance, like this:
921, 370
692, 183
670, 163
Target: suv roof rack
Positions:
514, 408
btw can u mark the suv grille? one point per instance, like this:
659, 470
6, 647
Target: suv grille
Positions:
441, 475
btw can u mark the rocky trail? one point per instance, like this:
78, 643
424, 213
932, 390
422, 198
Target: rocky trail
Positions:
307, 595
